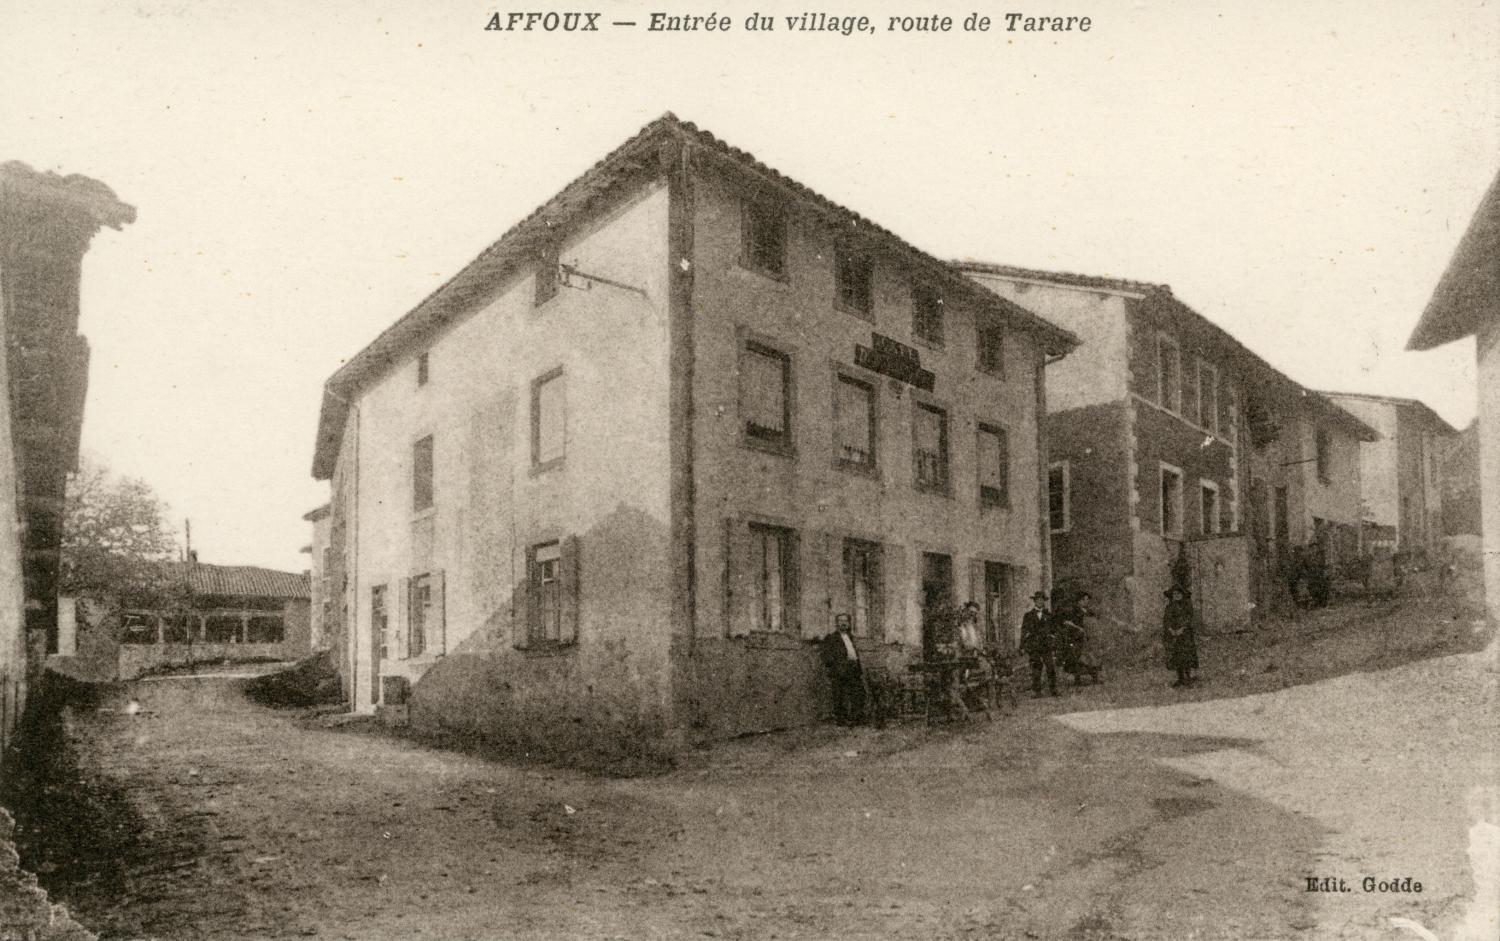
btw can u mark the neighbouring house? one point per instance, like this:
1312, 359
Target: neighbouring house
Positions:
1157, 442
1305, 491
47, 223
1401, 473
616, 476
212, 614
1465, 303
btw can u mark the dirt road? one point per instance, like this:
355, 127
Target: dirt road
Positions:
205, 816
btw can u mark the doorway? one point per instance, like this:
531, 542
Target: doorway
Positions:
937, 600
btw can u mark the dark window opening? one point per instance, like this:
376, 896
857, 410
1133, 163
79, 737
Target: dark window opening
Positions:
420, 615
927, 314
994, 467
265, 629
764, 238
546, 594
422, 369
853, 273
991, 349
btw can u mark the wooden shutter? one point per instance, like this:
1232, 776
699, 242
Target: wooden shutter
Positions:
403, 619
568, 590
521, 603
976, 582
792, 587
437, 630
739, 579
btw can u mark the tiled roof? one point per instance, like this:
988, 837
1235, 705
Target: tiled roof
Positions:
1061, 277
243, 581
520, 244
1423, 410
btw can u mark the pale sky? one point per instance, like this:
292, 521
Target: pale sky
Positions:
306, 172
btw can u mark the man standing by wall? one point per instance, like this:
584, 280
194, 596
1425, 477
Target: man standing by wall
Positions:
841, 659
1037, 643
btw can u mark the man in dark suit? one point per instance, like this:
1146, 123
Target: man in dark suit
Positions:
841, 660
1039, 644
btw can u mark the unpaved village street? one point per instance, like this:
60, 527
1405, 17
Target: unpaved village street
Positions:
1115, 812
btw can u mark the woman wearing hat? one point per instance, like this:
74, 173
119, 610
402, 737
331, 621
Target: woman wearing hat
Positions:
1179, 634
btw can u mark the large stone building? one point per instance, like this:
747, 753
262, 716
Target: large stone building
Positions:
1466, 302
617, 475
46, 224
1401, 473
1163, 446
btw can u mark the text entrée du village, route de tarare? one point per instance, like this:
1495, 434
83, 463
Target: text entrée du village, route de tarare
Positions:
591, 22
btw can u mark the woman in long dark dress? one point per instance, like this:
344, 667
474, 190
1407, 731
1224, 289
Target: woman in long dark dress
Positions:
1179, 635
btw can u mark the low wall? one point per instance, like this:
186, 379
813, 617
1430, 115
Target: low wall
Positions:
728, 686
137, 659
581, 707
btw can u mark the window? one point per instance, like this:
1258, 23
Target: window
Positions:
421, 475
1208, 396
771, 567
862, 586
764, 234
1171, 501
1208, 498
930, 439
265, 629
1168, 374
991, 342
927, 314
379, 622
1059, 497
547, 275
421, 369
853, 422
138, 628
221, 629
765, 396
1324, 445
994, 467
853, 273
419, 616
548, 420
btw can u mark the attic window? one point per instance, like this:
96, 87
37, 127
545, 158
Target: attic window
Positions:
764, 233
853, 271
421, 369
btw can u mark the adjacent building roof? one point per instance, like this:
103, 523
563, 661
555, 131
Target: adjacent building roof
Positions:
312, 516
1468, 293
242, 581
1423, 413
1320, 404
520, 246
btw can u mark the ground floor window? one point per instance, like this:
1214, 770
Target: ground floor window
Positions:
419, 616
546, 593
1208, 492
138, 628
1171, 501
221, 629
772, 567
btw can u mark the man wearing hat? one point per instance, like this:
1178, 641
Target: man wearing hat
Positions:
1038, 644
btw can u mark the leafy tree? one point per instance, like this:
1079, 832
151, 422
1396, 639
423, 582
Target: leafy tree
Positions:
116, 538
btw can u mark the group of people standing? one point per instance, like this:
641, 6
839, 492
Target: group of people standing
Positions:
1060, 638
1052, 640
